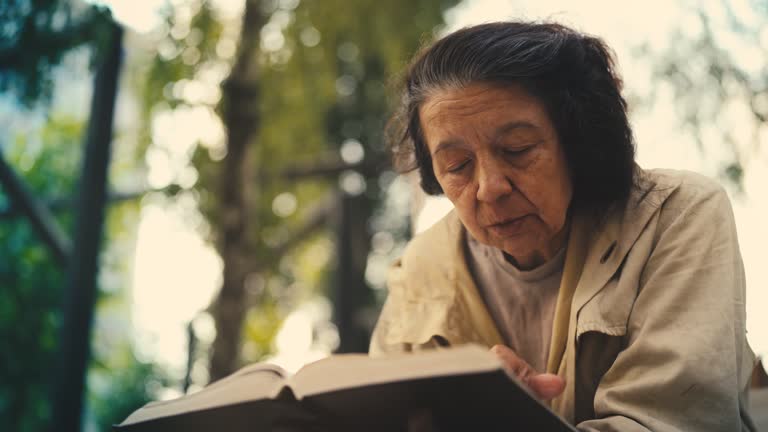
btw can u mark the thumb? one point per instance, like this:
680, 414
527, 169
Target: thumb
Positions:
547, 386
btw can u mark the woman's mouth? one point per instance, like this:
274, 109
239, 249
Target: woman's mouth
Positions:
507, 228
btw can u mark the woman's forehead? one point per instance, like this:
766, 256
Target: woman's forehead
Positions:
476, 99
496, 109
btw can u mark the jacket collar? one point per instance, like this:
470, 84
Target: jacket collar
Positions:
468, 299
614, 236
437, 273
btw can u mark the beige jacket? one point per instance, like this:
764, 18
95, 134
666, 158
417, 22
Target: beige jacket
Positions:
649, 329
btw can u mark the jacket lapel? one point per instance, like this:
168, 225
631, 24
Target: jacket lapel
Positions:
615, 236
574, 264
600, 248
469, 304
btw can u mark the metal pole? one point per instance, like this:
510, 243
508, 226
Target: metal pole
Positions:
61, 203
350, 292
38, 214
81, 289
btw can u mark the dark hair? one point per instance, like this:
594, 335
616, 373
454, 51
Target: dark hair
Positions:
572, 74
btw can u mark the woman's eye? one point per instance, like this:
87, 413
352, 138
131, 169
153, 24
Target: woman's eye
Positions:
517, 151
458, 167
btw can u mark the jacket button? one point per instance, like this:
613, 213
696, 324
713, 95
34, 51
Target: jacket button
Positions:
608, 252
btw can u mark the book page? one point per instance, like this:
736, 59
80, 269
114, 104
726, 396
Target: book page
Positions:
254, 382
463, 388
344, 371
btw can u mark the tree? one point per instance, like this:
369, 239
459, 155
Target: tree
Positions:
32, 283
301, 165
324, 100
720, 96
240, 114
34, 37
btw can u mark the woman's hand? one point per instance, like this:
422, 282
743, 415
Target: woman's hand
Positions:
545, 385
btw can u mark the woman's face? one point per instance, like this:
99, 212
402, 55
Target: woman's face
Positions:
497, 156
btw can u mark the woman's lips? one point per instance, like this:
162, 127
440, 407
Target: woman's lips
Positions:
507, 228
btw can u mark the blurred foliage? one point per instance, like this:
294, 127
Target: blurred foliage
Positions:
322, 86
323, 76
261, 325
31, 280
715, 68
34, 37
117, 389
31, 285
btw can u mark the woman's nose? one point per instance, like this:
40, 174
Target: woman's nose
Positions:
492, 182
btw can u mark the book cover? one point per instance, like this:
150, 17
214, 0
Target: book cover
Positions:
459, 388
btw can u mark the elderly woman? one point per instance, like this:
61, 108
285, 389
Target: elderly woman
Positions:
616, 292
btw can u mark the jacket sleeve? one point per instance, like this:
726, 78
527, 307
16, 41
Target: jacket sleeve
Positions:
387, 336
686, 361
379, 339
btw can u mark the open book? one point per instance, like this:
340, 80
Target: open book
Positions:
461, 388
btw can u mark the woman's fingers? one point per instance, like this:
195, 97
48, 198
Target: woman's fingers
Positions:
545, 386
512, 363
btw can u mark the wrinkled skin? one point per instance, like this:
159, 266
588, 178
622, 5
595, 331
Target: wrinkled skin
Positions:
497, 157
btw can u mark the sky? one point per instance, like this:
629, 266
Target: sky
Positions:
189, 274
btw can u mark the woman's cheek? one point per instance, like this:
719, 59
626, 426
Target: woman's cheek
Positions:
456, 188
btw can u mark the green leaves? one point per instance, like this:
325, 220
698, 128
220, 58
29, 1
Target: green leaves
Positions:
34, 37
31, 280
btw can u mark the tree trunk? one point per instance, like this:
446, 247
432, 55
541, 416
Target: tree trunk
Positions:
240, 113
